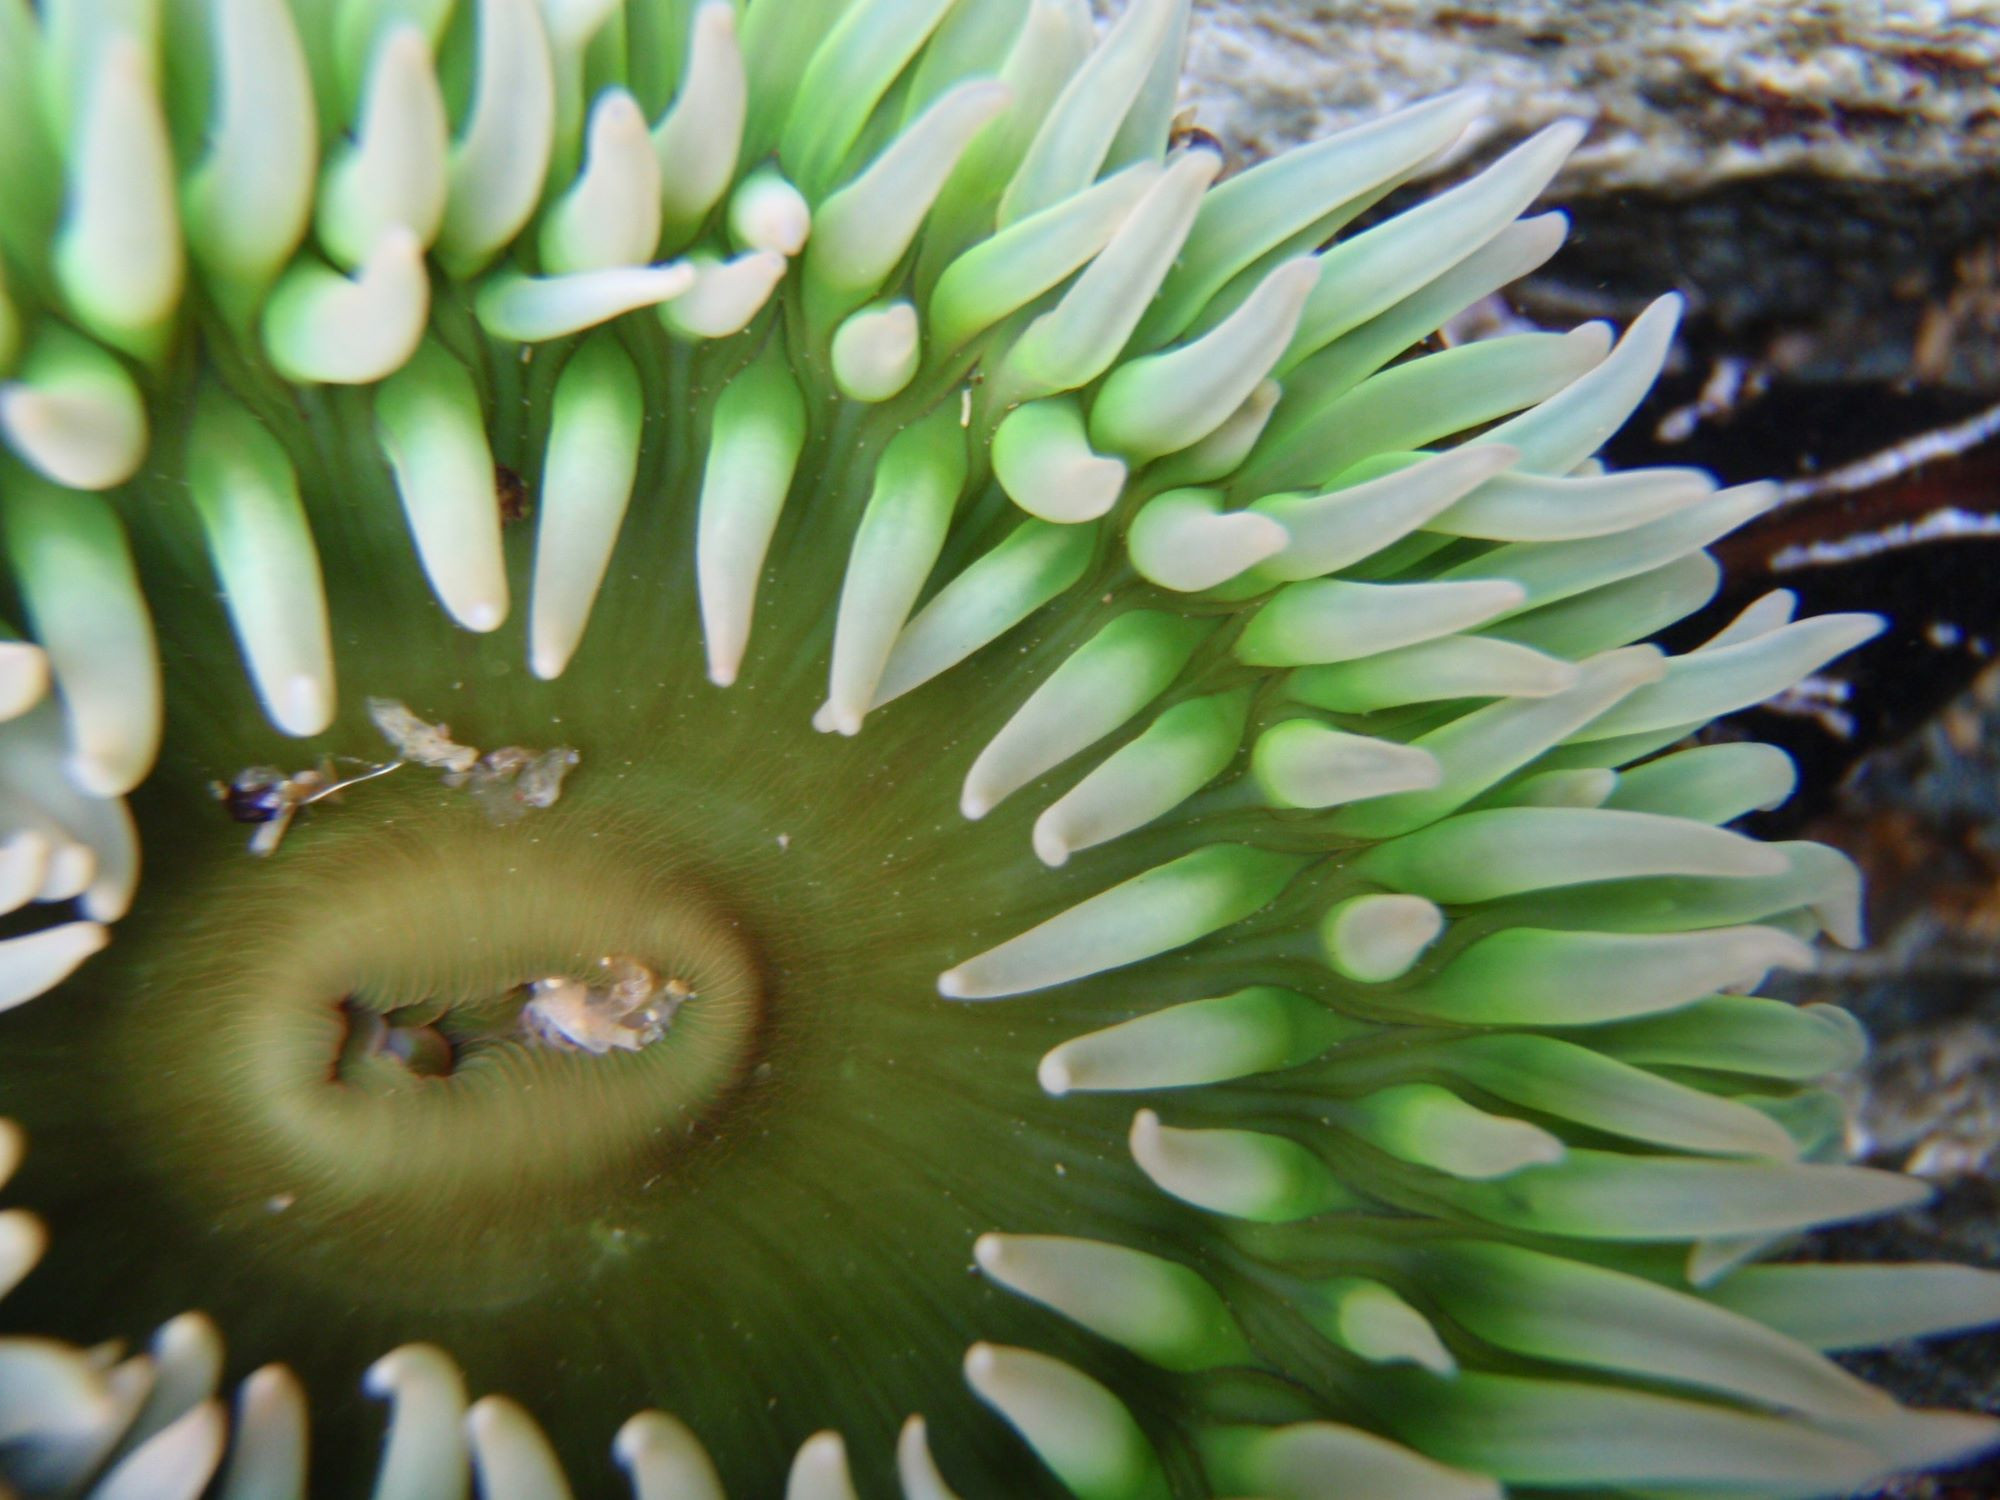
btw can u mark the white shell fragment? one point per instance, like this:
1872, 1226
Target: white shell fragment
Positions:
628, 1007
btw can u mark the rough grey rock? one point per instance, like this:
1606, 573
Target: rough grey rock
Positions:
1821, 178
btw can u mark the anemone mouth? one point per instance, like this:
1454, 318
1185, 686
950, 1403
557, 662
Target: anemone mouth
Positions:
358, 1037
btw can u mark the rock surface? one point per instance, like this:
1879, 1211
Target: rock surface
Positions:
1822, 178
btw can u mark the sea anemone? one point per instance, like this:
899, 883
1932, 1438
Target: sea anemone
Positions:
971, 553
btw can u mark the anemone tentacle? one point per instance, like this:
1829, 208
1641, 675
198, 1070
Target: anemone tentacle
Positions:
905, 412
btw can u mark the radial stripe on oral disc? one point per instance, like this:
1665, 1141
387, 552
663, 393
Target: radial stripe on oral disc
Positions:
1482, 856
819, 1470
1006, 271
1042, 458
664, 1460
532, 309
1570, 1082
611, 214
861, 232
1178, 754
1452, 666
902, 531
118, 254
1258, 211
73, 414
1185, 541
1078, 339
501, 156
726, 294
1861, 1306
1366, 512
1161, 403
424, 1456
83, 598
1160, 1310
1035, 564
1102, 685
1717, 680
397, 167
1074, 137
250, 200
1372, 271
595, 425
846, 78
1709, 783
757, 433
323, 327
247, 495
1369, 1319
1483, 747
1162, 909
1375, 938
433, 431
1292, 1463
1078, 1428
916, 1471
267, 1459
876, 351
698, 139
1261, 1029
175, 1463
767, 213
1243, 1174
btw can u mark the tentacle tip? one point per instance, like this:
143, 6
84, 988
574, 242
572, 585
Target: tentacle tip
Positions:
482, 616
973, 806
89, 772
980, 1362
1054, 1075
304, 706
952, 985
988, 1251
1050, 846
